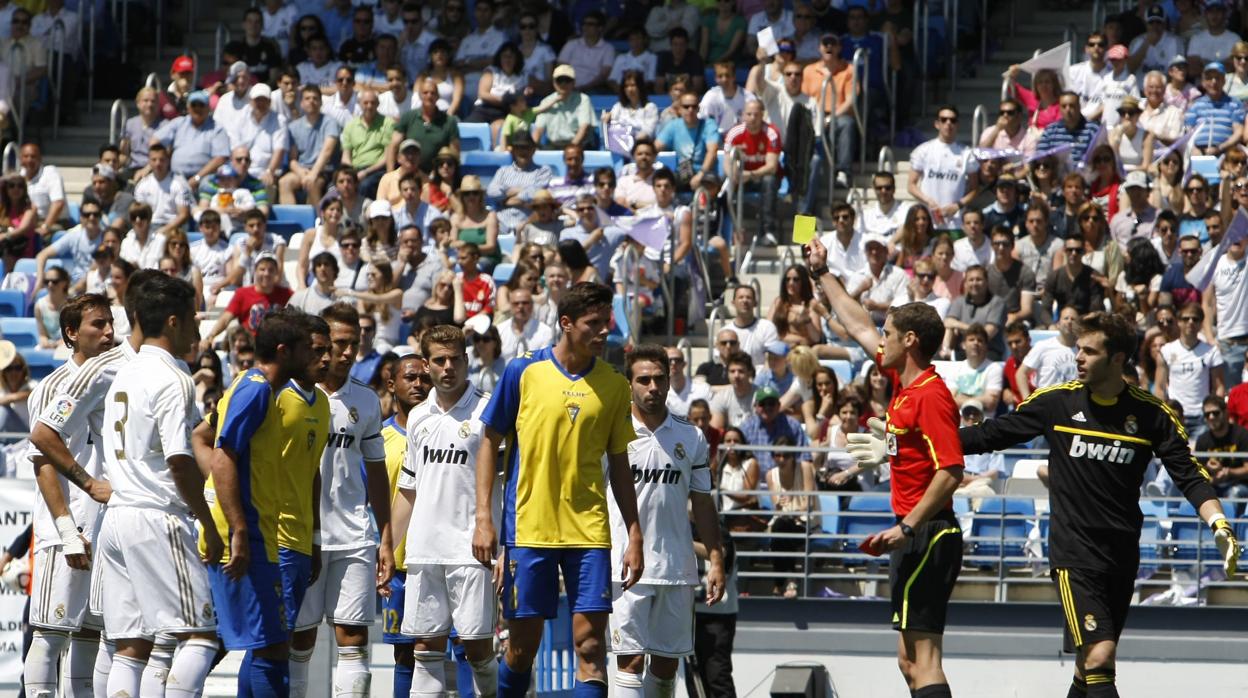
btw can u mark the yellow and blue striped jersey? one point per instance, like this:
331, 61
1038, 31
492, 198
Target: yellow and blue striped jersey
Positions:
394, 436
305, 430
249, 426
558, 426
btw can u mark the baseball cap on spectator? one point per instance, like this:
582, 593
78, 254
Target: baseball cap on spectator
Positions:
183, 64
1214, 65
259, 91
409, 143
1136, 179
379, 209
238, 68
470, 183
1215, 5
765, 393
776, 347
786, 46
873, 239
227, 170
830, 40
1179, 59
267, 256
1117, 52
198, 97
521, 138
102, 170
972, 406
1155, 14
565, 71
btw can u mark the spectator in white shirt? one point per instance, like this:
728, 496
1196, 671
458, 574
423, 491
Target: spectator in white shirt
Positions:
1154, 49
343, 105
975, 377
844, 244
636, 58
319, 69
211, 256
1052, 360
278, 19
881, 285
753, 332
142, 247
477, 49
664, 17
46, 189
589, 55
1216, 41
772, 15
165, 192
724, 102
522, 332
975, 248
921, 287
942, 171
1117, 86
232, 105
1084, 79
885, 216
1190, 369
779, 85
264, 133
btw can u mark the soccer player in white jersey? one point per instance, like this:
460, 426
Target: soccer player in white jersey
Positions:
353, 567
77, 408
437, 491
671, 471
66, 521
147, 555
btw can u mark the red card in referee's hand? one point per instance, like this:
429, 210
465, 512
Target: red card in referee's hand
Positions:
870, 547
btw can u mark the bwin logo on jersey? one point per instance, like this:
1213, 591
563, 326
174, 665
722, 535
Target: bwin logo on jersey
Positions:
1113, 453
664, 476
446, 456
340, 440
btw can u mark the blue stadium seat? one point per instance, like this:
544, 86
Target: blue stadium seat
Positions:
554, 668
552, 159
21, 331
1188, 534
12, 303
987, 528
862, 517
285, 228
71, 211
598, 159
1041, 335
41, 362
603, 103
302, 214
829, 510
502, 273
843, 369
667, 158
619, 323
474, 137
192, 238
662, 101
507, 243
483, 164
25, 265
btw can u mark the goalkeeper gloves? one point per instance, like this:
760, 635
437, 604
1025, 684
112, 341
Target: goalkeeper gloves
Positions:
1228, 547
869, 450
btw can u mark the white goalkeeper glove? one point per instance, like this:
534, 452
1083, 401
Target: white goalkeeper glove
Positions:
869, 450
1228, 546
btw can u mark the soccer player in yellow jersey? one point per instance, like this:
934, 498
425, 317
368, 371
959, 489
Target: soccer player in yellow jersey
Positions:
305, 430
245, 489
560, 409
409, 385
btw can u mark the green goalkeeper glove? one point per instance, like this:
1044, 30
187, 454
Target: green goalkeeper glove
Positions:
870, 449
1227, 545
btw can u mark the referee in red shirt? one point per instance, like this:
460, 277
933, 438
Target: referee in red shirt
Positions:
925, 456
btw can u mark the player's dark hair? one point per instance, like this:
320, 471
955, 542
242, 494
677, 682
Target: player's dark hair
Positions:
342, 312
314, 324
283, 326
740, 358
973, 330
1119, 335
76, 308
584, 298
923, 320
134, 288
647, 352
445, 336
163, 296
665, 175
1212, 400
327, 258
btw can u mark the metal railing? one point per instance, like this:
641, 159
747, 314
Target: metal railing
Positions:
116, 120
979, 124
701, 220
91, 59
10, 155
922, 27
632, 287
121, 15
861, 91
887, 161
56, 67
736, 208
827, 137
21, 94
951, 37
153, 81
686, 347
1071, 34
220, 39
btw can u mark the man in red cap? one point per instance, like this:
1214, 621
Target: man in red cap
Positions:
181, 83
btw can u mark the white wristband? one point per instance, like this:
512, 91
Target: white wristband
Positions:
71, 541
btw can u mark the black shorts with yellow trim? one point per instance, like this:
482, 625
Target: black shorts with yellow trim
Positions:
1094, 604
922, 574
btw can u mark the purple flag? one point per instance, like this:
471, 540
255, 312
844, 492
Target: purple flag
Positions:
1202, 274
620, 139
651, 232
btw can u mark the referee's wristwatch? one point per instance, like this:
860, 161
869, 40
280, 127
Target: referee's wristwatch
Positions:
906, 529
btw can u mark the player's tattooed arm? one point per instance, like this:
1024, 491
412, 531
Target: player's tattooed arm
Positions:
53, 448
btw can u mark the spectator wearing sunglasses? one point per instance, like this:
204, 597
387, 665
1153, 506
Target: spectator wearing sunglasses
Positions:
1086, 79
1008, 131
74, 248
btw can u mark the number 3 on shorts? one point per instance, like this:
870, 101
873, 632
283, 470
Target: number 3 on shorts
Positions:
120, 425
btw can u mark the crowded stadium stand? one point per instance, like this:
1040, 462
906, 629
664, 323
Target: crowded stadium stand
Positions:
1012, 164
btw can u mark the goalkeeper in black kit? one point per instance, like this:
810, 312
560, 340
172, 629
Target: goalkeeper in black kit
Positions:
1102, 433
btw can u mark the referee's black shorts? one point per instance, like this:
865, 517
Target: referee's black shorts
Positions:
1094, 604
922, 574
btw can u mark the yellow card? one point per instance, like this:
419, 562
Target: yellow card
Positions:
803, 229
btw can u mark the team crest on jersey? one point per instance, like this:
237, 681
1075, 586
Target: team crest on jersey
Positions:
1089, 623
61, 409
311, 439
573, 412
680, 451
59, 612
353, 415
208, 612
464, 430
1132, 425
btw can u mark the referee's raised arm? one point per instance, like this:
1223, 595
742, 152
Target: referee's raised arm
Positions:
851, 313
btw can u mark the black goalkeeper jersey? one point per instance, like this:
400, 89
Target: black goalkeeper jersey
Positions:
1098, 453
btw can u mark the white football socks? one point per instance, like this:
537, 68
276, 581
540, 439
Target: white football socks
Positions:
79, 666
190, 668
152, 685
43, 661
299, 666
429, 674
352, 679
